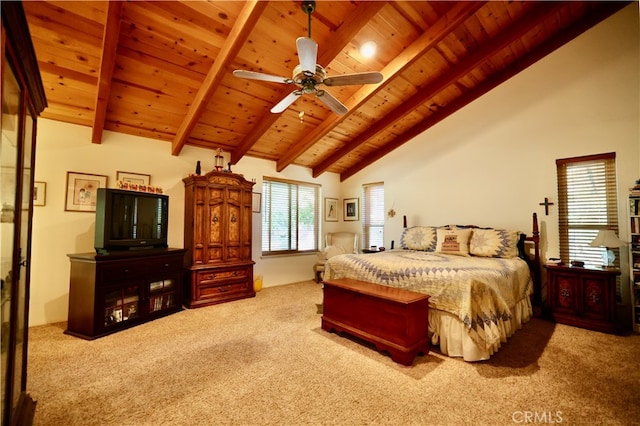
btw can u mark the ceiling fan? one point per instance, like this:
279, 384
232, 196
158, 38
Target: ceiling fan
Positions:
308, 75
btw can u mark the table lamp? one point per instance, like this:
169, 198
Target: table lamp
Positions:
607, 238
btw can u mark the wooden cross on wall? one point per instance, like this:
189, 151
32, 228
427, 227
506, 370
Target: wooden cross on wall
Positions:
546, 205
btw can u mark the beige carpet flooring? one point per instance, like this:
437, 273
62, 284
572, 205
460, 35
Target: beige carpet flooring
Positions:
266, 361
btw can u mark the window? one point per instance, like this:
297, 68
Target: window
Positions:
373, 215
587, 202
290, 216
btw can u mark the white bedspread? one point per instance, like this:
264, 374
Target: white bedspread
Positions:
475, 302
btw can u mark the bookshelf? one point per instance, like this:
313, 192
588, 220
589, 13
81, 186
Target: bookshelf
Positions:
634, 256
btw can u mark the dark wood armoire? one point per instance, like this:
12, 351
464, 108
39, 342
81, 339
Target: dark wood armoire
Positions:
217, 236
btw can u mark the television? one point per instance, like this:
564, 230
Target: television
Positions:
130, 220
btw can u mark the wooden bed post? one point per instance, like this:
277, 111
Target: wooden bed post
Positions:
535, 267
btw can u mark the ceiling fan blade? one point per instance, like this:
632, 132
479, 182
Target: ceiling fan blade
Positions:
261, 76
330, 101
307, 54
358, 78
286, 101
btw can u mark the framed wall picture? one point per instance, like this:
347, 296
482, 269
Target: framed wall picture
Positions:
330, 209
82, 191
136, 178
256, 202
39, 193
351, 209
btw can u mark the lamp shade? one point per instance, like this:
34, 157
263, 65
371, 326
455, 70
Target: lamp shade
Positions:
607, 238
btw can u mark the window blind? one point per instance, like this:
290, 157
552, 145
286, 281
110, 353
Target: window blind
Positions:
290, 216
373, 215
587, 202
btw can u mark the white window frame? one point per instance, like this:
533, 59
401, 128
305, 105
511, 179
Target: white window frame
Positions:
373, 215
284, 219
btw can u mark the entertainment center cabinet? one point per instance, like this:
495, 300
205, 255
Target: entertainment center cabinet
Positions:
217, 236
115, 291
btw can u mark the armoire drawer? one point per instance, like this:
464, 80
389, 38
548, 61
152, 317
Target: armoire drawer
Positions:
211, 277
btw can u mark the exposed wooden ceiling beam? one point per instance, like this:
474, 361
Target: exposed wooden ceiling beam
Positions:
345, 33
107, 63
455, 17
462, 68
532, 57
242, 27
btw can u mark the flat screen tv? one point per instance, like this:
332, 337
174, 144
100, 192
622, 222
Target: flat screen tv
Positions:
130, 220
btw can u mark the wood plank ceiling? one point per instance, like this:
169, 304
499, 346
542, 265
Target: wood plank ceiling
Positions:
163, 69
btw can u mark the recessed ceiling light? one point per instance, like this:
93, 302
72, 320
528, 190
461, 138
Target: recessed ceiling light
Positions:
368, 49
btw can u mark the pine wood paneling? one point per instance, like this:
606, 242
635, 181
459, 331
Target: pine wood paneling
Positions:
172, 71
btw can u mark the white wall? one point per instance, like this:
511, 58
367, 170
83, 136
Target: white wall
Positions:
56, 232
489, 164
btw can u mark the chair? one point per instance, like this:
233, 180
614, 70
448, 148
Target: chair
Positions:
335, 243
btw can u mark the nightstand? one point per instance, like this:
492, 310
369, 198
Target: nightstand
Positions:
583, 297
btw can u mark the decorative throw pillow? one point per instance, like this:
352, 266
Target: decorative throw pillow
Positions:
494, 243
453, 241
419, 238
331, 251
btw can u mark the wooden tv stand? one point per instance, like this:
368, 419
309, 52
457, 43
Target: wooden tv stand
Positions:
393, 319
109, 293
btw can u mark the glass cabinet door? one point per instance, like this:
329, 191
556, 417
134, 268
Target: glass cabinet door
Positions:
22, 100
162, 295
16, 183
11, 107
121, 304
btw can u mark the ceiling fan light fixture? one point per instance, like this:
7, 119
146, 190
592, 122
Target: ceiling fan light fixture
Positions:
308, 74
368, 49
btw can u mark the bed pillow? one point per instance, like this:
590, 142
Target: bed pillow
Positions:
453, 241
494, 243
419, 238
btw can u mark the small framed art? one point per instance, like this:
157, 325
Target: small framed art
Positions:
256, 201
39, 193
330, 209
351, 209
136, 178
82, 191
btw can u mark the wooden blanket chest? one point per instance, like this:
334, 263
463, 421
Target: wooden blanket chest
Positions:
393, 319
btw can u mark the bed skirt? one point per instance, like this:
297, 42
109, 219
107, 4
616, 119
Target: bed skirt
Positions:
447, 331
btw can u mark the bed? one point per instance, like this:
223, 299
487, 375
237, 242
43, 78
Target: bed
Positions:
481, 281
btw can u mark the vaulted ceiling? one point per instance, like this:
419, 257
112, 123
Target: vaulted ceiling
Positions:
163, 69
